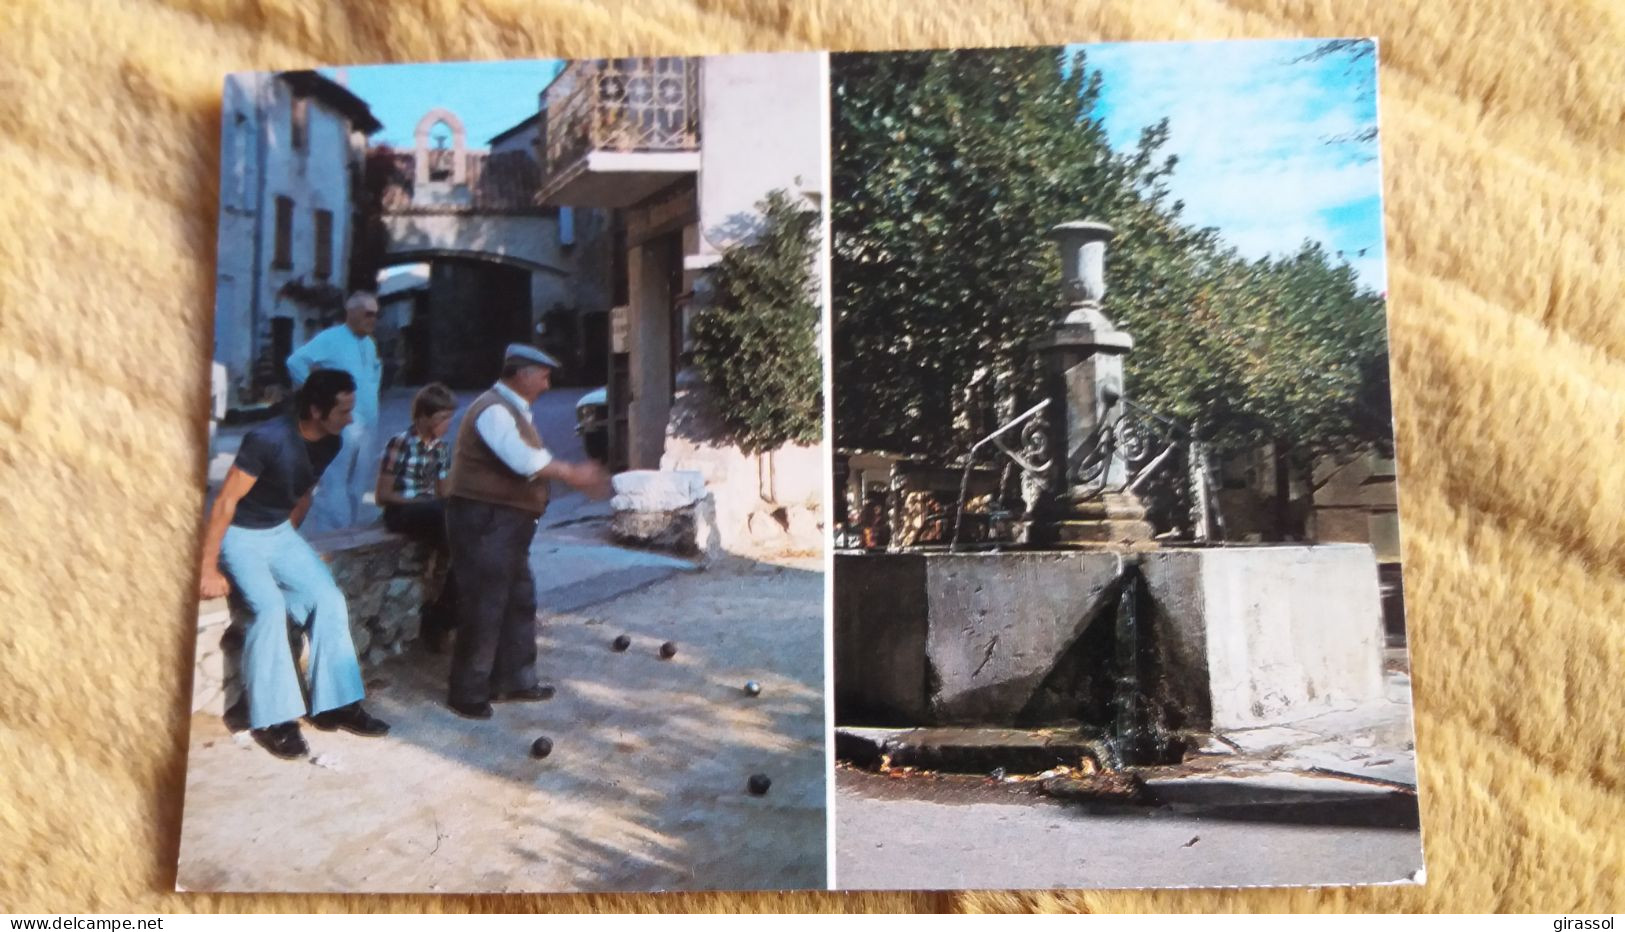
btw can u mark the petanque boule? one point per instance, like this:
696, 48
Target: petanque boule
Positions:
758, 784
541, 747
668, 650
621, 642
753, 688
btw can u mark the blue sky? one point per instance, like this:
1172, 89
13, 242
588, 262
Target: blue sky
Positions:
488, 97
1249, 125
1248, 122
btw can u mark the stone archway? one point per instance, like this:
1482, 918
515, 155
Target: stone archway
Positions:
475, 302
459, 145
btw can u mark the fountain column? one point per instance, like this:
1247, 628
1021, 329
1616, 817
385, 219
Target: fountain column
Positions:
1083, 378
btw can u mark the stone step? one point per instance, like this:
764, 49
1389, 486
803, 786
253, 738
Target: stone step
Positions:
969, 750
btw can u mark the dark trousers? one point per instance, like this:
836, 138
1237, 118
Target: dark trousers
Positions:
496, 638
425, 520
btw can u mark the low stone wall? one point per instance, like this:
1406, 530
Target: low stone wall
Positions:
1241, 635
385, 578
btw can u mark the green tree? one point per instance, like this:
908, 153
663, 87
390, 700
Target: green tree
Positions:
757, 344
948, 170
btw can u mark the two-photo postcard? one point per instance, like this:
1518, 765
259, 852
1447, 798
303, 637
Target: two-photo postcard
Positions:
960, 468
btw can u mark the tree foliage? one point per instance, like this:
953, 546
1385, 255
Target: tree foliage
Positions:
757, 344
370, 238
950, 167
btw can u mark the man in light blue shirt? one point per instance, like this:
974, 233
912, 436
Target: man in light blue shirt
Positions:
348, 347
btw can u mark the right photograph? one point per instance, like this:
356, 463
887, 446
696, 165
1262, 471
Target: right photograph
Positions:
1119, 597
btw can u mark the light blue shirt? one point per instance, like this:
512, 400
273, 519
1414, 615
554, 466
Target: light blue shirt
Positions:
338, 347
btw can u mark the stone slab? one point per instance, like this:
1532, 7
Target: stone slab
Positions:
1242, 636
1264, 787
967, 750
1259, 740
1388, 765
656, 490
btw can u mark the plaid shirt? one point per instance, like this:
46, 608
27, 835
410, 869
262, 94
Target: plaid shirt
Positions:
415, 464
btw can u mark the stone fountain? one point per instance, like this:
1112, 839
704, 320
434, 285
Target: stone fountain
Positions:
1087, 622
1083, 497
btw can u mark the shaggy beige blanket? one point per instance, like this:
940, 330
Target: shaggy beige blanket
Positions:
1503, 124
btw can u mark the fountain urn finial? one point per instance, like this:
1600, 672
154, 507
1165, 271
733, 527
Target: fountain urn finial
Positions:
1083, 377
1082, 247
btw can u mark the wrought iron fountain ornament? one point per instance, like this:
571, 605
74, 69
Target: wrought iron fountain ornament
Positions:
1089, 496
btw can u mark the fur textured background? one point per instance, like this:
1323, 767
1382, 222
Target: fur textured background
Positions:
1503, 128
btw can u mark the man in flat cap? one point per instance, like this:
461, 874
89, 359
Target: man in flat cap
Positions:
497, 492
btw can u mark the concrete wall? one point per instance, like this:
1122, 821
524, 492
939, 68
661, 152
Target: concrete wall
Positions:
769, 501
880, 640
1000, 625
1239, 636
258, 163
315, 177
648, 268
1290, 630
762, 128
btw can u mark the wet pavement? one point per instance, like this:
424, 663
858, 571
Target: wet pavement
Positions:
1324, 800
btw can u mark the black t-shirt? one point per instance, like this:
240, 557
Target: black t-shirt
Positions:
285, 467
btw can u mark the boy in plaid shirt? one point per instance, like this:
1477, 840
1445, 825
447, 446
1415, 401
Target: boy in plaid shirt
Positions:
411, 490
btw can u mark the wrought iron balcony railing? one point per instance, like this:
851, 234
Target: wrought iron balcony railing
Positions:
621, 105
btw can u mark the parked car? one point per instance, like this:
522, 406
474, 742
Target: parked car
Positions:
592, 423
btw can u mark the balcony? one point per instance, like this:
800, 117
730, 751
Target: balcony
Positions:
620, 129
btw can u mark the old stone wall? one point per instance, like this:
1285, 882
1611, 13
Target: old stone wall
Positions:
1239, 636
385, 579
766, 502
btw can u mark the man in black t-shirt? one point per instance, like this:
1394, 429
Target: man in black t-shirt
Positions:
252, 538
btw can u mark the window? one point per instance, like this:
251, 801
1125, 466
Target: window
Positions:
299, 130
283, 258
324, 243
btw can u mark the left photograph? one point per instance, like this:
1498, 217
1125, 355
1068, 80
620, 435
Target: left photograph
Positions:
511, 566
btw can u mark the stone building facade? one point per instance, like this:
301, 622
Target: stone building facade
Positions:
682, 150
502, 267
292, 145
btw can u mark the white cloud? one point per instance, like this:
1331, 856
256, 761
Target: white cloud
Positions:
1250, 127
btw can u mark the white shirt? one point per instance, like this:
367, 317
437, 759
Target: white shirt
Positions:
500, 432
338, 347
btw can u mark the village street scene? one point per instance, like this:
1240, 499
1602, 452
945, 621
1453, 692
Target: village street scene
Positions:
582, 243
1118, 590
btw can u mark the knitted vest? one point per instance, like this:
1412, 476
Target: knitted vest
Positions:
479, 474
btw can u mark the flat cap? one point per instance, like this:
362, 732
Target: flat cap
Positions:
524, 352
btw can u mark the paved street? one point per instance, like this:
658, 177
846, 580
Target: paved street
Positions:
975, 833
1325, 800
645, 788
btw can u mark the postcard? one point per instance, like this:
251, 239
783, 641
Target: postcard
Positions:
512, 567
1118, 594
523, 496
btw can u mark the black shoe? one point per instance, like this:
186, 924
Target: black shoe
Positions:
474, 710
353, 719
282, 740
528, 694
